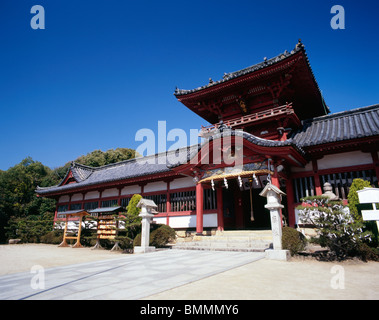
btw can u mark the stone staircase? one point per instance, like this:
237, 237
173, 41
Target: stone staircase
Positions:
240, 240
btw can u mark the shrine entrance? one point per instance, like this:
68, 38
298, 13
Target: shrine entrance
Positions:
244, 209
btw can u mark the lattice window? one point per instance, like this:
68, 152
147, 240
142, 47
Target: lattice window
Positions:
183, 201
210, 199
160, 201
109, 203
341, 182
303, 187
91, 205
75, 206
125, 202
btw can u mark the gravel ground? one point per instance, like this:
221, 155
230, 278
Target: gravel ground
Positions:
263, 279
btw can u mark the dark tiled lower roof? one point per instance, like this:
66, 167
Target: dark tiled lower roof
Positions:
119, 171
341, 126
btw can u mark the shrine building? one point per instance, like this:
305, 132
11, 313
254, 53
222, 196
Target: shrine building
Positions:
272, 121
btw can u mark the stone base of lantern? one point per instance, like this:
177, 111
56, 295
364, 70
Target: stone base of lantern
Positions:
139, 249
282, 255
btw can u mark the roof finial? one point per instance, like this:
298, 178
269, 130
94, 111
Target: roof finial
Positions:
299, 44
210, 80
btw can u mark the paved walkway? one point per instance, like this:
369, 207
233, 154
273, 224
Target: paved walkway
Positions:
128, 277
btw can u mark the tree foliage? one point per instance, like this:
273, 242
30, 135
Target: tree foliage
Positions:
18, 199
99, 158
358, 184
336, 227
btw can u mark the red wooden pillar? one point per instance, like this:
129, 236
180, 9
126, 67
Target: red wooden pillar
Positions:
220, 210
290, 203
119, 196
168, 203
316, 178
199, 208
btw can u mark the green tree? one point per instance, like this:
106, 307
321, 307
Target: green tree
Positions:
358, 184
132, 209
17, 196
99, 158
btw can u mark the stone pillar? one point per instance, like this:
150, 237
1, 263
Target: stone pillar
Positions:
147, 207
273, 195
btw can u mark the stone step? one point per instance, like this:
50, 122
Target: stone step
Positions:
239, 240
240, 249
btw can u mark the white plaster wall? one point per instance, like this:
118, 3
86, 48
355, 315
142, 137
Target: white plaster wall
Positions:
155, 186
160, 220
209, 220
63, 199
345, 159
131, 190
77, 197
182, 183
92, 195
110, 193
183, 222
308, 167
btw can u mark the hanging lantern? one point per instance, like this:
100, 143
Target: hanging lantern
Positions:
213, 185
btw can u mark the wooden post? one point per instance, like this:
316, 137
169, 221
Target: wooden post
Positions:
317, 178
290, 203
77, 244
64, 242
199, 208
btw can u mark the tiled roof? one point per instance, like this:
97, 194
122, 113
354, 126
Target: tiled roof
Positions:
341, 126
144, 166
266, 63
245, 135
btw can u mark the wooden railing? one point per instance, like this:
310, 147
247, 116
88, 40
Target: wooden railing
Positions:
250, 118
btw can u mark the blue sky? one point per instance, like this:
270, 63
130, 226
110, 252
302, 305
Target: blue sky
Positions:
101, 70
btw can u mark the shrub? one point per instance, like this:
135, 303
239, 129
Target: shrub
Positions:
293, 240
137, 240
159, 237
335, 226
360, 184
53, 237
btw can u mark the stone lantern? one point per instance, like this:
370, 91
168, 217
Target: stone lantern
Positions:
274, 198
147, 213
